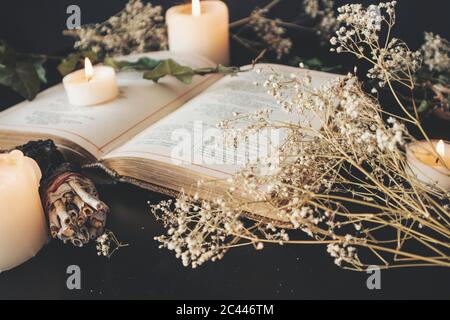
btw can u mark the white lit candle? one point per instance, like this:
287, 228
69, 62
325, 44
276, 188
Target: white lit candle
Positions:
425, 164
91, 85
23, 228
201, 28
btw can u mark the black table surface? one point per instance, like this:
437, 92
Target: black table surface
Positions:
143, 271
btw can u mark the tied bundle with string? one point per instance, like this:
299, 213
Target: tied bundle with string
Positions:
70, 199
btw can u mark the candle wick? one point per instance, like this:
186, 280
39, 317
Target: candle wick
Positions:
437, 160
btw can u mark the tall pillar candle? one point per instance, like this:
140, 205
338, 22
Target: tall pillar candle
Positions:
201, 28
23, 228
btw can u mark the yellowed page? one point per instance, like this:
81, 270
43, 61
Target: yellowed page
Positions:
197, 120
100, 128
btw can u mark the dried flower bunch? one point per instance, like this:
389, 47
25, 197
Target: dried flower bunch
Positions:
391, 59
393, 63
137, 28
436, 52
323, 12
345, 185
270, 31
314, 16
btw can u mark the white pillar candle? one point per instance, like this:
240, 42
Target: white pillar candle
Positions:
425, 164
201, 28
91, 85
23, 227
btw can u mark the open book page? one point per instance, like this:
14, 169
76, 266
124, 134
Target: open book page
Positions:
98, 129
189, 137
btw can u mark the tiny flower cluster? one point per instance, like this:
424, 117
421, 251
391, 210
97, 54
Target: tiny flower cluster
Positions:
312, 8
270, 31
395, 61
323, 12
343, 253
273, 32
103, 245
107, 244
436, 52
137, 28
360, 35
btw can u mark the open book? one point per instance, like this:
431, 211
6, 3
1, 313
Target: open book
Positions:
138, 135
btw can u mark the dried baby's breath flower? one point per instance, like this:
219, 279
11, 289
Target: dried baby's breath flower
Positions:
436, 53
274, 31
311, 7
343, 252
361, 35
323, 12
103, 245
345, 184
137, 28
355, 158
270, 31
367, 34
107, 244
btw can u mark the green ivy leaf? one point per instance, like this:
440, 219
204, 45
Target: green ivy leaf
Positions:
444, 79
7, 54
170, 68
20, 72
74, 60
142, 64
22, 78
423, 106
314, 63
68, 64
40, 70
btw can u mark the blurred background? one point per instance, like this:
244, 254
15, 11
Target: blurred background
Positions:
36, 27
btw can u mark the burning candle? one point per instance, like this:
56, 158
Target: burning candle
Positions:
23, 228
201, 28
92, 85
428, 165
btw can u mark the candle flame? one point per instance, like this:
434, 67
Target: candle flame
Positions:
196, 8
88, 69
440, 148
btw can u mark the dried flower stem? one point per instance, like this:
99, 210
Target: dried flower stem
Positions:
272, 32
346, 184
